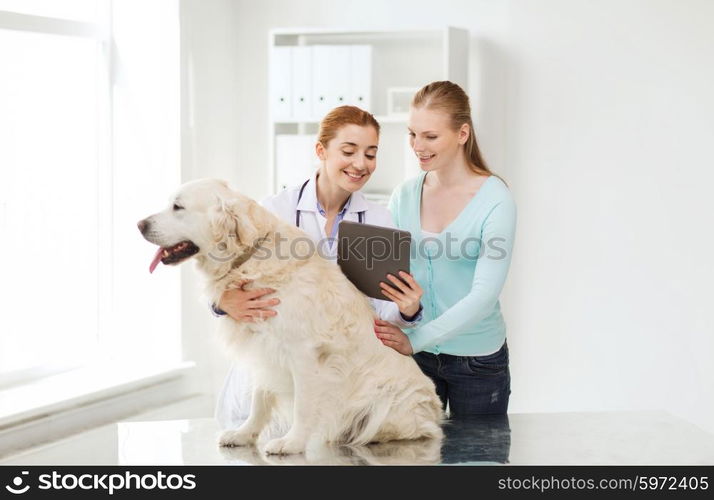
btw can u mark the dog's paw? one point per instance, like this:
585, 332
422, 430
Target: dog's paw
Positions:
237, 438
284, 446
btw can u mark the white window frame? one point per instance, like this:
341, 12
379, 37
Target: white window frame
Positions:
87, 391
99, 31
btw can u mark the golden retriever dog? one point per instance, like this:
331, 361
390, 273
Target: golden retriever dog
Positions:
317, 366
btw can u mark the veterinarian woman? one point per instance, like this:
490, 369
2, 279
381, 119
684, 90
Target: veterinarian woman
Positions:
462, 219
347, 150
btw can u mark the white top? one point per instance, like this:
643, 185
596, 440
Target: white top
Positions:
285, 204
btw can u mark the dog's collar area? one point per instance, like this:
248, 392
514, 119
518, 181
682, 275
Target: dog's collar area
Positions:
242, 259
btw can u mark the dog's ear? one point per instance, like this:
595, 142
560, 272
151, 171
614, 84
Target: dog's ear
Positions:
222, 220
224, 228
240, 219
253, 222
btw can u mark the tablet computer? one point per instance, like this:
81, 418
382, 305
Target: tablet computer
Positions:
367, 253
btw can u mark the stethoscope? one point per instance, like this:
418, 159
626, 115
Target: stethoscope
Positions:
360, 215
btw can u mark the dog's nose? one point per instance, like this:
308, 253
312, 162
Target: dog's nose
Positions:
142, 224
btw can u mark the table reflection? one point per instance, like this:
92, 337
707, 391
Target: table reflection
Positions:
479, 439
473, 440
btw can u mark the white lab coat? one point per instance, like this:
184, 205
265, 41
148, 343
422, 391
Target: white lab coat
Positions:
233, 403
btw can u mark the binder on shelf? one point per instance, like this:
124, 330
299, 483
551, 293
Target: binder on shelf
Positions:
361, 76
281, 83
330, 78
302, 83
340, 75
306, 82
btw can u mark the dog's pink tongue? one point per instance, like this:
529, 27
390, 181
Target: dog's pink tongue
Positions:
157, 259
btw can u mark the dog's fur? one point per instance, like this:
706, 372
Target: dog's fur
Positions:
318, 362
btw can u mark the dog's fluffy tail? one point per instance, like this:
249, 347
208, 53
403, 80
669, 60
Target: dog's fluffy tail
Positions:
365, 423
390, 417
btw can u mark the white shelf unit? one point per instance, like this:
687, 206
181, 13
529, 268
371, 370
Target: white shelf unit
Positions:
399, 59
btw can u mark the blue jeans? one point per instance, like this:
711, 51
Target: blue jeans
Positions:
471, 385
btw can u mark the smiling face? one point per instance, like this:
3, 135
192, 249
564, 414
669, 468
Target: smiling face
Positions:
433, 139
350, 158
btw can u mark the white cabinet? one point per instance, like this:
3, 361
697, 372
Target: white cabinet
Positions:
295, 158
315, 70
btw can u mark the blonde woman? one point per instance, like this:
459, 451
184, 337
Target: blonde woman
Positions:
463, 219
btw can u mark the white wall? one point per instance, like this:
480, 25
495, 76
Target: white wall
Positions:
211, 118
599, 116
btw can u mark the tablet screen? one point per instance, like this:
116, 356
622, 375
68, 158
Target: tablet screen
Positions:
367, 253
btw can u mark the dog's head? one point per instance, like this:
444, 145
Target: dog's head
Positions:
205, 218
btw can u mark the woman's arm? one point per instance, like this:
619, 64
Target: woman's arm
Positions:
388, 311
489, 278
404, 307
247, 305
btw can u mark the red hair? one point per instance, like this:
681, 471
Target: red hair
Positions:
341, 116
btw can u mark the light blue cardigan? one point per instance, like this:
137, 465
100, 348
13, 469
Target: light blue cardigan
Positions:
462, 269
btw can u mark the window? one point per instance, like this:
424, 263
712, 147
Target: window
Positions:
74, 176
78, 10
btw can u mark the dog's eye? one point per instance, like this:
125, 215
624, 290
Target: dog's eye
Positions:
177, 207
